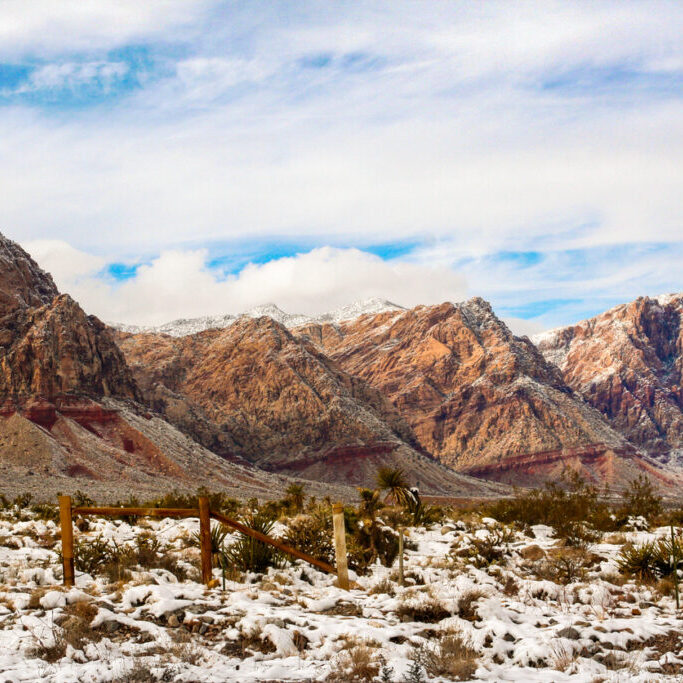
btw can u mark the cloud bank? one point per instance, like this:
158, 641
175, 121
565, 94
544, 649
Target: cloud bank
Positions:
181, 284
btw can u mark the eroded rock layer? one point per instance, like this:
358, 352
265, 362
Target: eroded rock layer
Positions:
480, 399
628, 364
283, 404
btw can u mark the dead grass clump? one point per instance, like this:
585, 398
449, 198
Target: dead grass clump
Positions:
50, 648
36, 595
187, 653
666, 587
359, 663
453, 657
511, 586
139, 672
665, 643
422, 607
467, 608
614, 578
384, 587
76, 620
74, 629
562, 656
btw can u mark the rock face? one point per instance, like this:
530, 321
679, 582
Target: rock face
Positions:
478, 398
70, 415
282, 404
22, 283
56, 349
628, 363
48, 345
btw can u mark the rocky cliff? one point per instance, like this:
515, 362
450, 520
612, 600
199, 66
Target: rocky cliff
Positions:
478, 398
628, 364
281, 403
70, 415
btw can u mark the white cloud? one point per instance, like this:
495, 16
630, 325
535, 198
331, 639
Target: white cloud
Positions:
436, 125
66, 264
179, 283
49, 27
72, 75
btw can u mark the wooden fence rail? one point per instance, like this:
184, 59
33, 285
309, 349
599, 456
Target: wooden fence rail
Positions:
66, 513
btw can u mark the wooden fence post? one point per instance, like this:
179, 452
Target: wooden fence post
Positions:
66, 524
400, 556
340, 546
205, 538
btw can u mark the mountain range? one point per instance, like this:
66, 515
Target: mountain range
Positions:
247, 403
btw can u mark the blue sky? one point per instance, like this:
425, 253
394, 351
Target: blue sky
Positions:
168, 159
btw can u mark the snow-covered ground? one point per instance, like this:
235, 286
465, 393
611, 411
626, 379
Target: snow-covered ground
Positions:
294, 624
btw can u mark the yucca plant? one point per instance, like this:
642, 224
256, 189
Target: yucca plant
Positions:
646, 562
218, 534
394, 482
246, 553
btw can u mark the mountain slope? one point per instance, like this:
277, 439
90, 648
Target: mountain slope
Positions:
70, 415
285, 405
628, 364
480, 399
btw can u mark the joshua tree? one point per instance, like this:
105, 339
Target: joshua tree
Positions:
370, 503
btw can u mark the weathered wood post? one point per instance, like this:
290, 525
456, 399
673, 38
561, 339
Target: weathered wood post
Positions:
205, 538
340, 546
400, 556
66, 524
674, 561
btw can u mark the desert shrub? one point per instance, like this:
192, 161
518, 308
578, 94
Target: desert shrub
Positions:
639, 561
248, 554
421, 514
394, 482
383, 587
641, 500
565, 565
82, 500
421, 606
91, 554
370, 541
312, 534
295, 497
559, 505
218, 501
489, 549
46, 511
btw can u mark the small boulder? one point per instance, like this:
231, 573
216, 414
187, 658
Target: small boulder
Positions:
173, 621
569, 632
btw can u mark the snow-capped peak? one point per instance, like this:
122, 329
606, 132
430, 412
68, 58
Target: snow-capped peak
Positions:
185, 326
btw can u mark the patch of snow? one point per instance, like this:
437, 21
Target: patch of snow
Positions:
186, 326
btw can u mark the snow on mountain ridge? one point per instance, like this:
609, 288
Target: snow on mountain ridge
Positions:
186, 326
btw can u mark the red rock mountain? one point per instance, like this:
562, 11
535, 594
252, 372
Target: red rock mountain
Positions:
478, 398
628, 364
70, 415
281, 403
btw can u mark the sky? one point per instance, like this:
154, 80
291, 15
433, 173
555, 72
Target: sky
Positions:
171, 158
